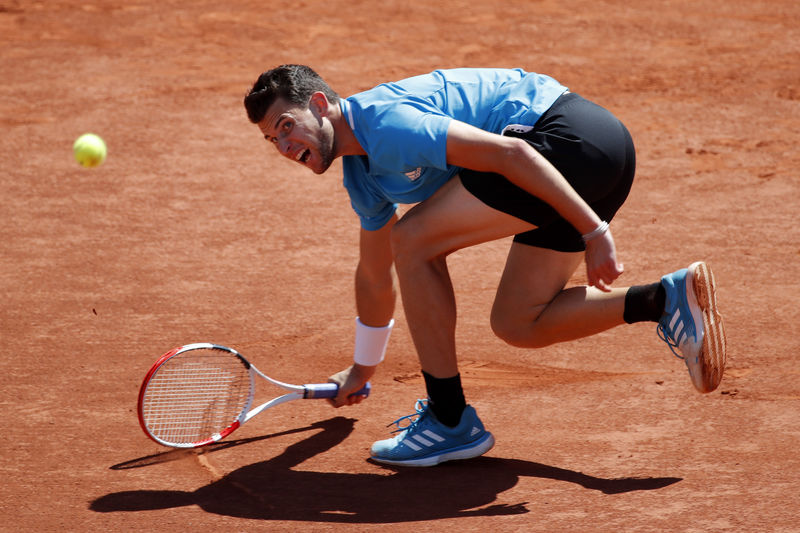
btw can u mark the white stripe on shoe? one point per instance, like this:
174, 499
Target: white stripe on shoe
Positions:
425, 442
411, 445
422, 440
433, 435
679, 335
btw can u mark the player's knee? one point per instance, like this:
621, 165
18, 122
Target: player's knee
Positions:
518, 331
402, 241
505, 327
409, 244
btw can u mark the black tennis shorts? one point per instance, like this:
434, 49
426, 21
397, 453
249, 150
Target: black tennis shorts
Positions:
589, 146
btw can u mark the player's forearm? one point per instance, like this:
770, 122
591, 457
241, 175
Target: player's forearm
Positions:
375, 278
376, 295
375, 301
520, 163
529, 170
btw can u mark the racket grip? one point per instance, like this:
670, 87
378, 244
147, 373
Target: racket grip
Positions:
330, 390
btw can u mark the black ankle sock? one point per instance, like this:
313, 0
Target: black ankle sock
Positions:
645, 303
445, 398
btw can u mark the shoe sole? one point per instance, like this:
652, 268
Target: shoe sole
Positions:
712, 358
481, 446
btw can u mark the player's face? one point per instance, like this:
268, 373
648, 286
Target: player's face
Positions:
302, 134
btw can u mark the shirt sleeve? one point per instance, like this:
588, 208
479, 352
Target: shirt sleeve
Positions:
373, 212
404, 136
400, 134
373, 209
412, 138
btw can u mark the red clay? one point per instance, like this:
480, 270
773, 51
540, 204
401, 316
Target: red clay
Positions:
194, 230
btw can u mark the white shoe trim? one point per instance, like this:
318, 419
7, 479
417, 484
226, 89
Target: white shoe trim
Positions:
485, 445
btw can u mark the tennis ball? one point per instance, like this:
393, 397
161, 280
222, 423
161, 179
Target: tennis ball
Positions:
90, 150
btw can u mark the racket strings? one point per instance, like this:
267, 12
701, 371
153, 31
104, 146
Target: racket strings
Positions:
195, 395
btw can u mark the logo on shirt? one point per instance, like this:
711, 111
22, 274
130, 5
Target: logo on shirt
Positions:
414, 174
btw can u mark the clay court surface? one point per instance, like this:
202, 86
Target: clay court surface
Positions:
194, 230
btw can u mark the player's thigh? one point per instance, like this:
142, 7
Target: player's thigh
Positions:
450, 220
532, 278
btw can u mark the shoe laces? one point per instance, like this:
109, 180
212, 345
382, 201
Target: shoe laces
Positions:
666, 336
407, 422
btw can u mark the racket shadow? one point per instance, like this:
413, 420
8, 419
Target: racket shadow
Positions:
273, 490
178, 454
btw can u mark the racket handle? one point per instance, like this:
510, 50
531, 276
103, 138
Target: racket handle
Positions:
330, 390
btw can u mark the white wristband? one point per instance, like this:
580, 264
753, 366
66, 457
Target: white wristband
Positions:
371, 343
599, 230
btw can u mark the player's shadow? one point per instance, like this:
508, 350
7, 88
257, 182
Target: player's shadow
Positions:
273, 490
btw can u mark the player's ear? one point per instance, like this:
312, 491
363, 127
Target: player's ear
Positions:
319, 103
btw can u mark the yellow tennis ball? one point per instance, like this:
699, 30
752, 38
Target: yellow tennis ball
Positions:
90, 150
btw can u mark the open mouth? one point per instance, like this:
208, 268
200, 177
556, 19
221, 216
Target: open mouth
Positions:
303, 155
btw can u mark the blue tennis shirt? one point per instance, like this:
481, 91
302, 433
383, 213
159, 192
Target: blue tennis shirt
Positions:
402, 126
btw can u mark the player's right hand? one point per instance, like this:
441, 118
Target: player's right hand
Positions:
602, 267
350, 380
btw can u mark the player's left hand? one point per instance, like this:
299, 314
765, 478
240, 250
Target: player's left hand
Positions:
350, 380
602, 268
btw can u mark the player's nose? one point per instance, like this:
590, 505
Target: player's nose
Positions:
284, 147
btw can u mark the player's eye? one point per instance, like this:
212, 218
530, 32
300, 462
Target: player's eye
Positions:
284, 128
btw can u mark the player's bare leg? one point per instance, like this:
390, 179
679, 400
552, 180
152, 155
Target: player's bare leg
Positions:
444, 427
534, 309
450, 220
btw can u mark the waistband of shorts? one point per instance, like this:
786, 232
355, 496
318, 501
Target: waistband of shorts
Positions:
566, 97
563, 99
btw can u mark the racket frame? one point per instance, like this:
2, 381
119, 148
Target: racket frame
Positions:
297, 392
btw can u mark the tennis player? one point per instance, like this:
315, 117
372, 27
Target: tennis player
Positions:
485, 154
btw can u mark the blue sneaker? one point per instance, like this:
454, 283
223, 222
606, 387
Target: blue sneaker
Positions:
426, 442
692, 324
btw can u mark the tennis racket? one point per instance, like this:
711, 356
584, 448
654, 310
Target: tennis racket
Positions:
200, 393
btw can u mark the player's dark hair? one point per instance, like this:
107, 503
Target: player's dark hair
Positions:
293, 83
